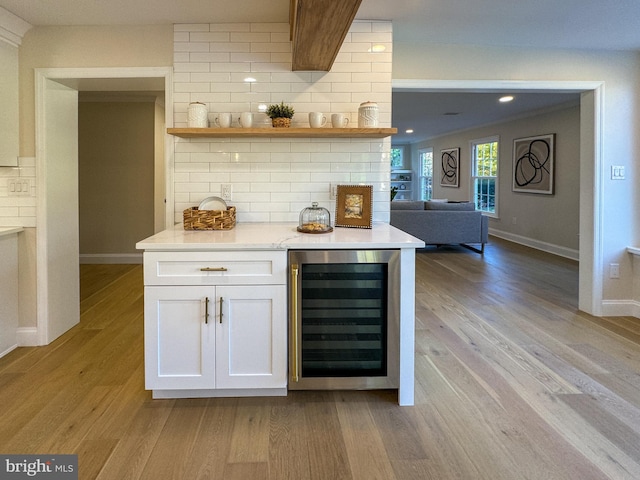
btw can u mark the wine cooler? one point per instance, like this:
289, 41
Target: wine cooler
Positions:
344, 319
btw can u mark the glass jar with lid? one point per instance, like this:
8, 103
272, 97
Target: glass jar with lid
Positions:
315, 219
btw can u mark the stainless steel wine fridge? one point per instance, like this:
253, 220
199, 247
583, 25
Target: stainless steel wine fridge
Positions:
344, 319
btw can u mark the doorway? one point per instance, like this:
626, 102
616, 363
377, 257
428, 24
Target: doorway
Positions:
590, 292
57, 221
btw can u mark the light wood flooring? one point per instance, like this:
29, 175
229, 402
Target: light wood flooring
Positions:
512, 382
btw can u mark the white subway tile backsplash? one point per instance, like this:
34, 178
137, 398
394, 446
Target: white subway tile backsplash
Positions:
230, 67
190, 47
230, 27
230, 47
262, 37
273, 179
209, 37
190, 27
271, 28
211, 57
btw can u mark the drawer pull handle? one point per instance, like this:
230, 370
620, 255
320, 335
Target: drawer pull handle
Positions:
220, 309
206, 309
213, 269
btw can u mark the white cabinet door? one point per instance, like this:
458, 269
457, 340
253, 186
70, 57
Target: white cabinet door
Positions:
179, 338
251, 338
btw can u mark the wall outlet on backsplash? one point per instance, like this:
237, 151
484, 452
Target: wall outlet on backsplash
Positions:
226, 191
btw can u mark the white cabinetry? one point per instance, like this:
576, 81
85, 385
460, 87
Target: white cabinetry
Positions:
8, 290
8, 105
402, 180
215, 323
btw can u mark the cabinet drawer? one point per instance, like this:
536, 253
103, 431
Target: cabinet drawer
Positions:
215, 268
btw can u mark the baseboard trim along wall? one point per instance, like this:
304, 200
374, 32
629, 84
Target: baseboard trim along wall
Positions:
620, 308
27, 337
109, 258
10, 349
537, 244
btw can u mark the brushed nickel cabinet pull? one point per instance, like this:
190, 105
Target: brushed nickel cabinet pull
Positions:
206, 310
294, 322
213, 269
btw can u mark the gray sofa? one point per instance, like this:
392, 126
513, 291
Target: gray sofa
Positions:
442, 223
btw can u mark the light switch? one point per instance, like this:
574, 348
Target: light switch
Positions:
617, 172
18, 187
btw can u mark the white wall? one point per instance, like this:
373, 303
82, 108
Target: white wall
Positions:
87, 46
620, 73
550, 222
274, 179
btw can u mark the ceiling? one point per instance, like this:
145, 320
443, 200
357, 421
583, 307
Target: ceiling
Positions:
433, 114
567, 24
585, 24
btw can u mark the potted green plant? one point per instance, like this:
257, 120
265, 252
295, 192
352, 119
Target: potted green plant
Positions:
280, 114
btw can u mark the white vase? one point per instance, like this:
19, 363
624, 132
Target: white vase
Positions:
368, 115
198, 115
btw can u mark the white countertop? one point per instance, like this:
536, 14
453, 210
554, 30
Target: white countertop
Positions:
278, 236
10, 230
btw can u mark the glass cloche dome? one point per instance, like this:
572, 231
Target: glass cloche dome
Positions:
315, 219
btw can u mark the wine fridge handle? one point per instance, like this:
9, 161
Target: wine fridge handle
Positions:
294, 322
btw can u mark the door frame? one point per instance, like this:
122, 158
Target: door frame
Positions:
590, 269
73, 78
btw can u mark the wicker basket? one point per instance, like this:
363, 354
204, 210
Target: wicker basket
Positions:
281, 122
195, 219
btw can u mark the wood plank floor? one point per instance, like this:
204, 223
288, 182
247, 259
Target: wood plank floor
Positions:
513, 382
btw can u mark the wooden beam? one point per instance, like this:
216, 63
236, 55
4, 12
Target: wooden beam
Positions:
318, 29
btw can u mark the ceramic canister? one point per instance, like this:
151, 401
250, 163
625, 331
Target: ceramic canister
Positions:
368, 115
198, 115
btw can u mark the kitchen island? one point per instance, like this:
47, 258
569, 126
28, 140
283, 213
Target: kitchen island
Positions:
247, 267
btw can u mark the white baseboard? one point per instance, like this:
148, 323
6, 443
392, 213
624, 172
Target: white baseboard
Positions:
109, 258
621, 308
537, 244
10, 349
27, 337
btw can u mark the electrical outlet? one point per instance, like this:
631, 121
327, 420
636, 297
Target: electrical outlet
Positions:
333, 190
225, 191
614, 270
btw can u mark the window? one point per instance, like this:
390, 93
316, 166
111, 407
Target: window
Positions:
484, 154
397, 157
426, 173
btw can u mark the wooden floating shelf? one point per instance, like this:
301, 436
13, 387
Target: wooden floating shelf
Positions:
283, 132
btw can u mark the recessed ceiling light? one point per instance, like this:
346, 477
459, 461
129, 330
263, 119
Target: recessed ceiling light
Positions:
506, 98
409, 130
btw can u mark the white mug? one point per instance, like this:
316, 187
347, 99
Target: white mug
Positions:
338, 120
223, 120
246, 119
317, 120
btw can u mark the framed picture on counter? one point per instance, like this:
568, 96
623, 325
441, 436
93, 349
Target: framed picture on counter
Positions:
354, 206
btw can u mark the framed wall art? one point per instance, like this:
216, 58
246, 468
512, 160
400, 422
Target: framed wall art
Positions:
450, 173
533, 164
354, 206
